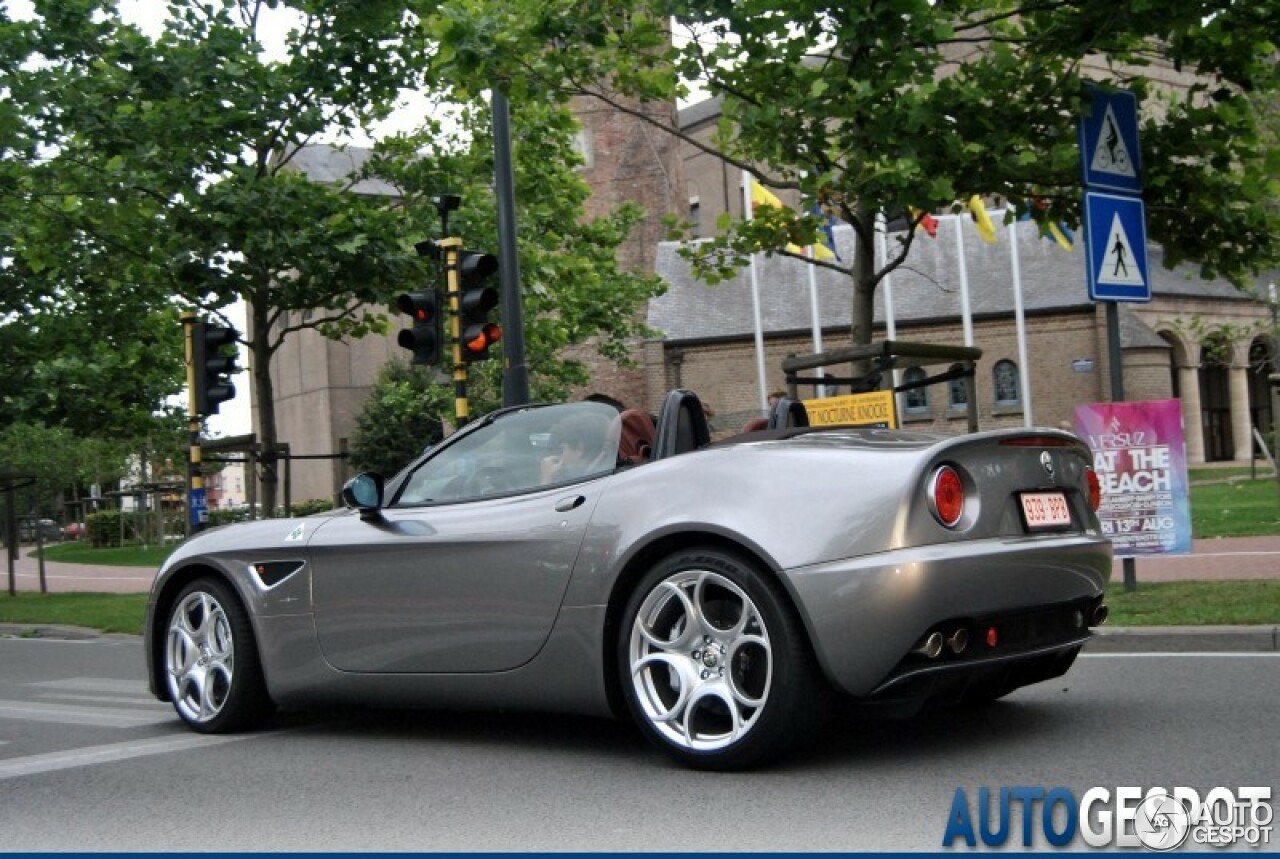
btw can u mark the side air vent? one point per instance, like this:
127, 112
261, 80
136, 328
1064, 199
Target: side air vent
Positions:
272, 573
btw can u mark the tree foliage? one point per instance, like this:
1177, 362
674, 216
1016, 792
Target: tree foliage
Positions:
875, 107
160, 171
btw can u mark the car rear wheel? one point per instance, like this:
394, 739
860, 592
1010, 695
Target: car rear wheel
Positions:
716, 668
211, 661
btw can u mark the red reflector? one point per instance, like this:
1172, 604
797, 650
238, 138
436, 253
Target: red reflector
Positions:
991, 636
946, 496
1095, 488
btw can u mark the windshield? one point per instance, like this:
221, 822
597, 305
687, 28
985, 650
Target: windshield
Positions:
520, 451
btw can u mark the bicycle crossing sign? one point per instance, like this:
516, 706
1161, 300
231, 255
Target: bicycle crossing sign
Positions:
1116, 248
1109, 154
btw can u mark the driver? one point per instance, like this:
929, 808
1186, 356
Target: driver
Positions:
578, 443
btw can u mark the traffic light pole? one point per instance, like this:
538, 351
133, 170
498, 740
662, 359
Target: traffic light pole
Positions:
195, 477
515, 372
450, 247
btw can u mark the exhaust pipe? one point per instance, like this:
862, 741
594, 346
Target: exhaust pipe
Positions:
930, 645
959, 640
1100, 614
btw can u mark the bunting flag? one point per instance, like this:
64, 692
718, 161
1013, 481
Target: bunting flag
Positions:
926, 222
762, 196
826, 246
1062, 235
978, 212
1056, 230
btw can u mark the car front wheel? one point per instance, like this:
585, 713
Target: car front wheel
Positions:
211, 661
716, 668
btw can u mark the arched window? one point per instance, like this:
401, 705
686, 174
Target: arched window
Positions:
1005, 376
957, 392
915, 400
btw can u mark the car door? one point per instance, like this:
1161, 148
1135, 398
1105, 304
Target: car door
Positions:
465, 570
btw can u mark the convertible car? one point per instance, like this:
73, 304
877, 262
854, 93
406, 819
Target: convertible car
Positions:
722, 595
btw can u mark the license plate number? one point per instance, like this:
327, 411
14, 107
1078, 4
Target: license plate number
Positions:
1045, 510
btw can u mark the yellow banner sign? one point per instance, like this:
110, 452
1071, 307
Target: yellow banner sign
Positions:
874, 409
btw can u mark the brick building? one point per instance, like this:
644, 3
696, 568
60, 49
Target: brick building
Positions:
1202, 341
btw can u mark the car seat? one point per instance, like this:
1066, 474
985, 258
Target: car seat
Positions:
682, 425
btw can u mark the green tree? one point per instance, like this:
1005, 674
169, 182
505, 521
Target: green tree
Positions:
874, 107
167, 163
402, 416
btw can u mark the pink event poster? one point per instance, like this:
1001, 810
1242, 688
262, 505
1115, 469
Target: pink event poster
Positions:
1140, 458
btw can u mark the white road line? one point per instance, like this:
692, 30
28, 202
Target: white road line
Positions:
65, 714
140, 700
111, 753
95, 684
1174, 655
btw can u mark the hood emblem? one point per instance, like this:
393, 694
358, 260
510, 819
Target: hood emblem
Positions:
1047, 461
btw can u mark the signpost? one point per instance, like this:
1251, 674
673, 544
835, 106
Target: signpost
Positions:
872, 409
1115, 224
1111, 159
1116, 248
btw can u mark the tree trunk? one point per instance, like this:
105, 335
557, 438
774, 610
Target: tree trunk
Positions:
264, 396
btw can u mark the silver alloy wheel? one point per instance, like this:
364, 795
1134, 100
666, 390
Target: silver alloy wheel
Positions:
199, 657
701, 661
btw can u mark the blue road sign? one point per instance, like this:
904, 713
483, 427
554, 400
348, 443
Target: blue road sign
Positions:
1109, 154
1115, 240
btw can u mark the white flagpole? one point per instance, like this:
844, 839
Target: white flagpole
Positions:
755, 302
891, 327
1024, 376
815, 319
966, 313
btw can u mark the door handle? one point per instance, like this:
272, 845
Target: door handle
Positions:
564, 505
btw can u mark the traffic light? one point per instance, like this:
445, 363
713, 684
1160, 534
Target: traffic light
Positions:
475, 299
213, 367
424, 339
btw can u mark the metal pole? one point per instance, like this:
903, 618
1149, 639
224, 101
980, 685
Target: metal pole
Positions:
515, 373
195, 479
1130, 565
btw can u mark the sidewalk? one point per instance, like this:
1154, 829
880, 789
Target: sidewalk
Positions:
62, 578
1219, 559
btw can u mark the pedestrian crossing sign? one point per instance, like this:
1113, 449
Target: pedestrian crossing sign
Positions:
1116, 248
1109, 152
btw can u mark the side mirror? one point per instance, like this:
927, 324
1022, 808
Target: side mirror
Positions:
364, 493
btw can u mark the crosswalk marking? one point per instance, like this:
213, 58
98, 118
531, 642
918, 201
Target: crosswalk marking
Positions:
110, 753
67, 714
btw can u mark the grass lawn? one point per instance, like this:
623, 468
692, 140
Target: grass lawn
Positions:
107, 612
118, 556
1195, 603
1239, 509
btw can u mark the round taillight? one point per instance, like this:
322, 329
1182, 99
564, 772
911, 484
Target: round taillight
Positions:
946, 496
1095, 488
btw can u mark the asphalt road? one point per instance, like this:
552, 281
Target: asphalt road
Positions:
89, 762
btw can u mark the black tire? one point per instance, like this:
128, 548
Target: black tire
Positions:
211, 664
737, 691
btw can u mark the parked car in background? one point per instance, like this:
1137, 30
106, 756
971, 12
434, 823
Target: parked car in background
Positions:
43, 530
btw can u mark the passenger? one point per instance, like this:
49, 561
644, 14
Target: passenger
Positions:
638, 431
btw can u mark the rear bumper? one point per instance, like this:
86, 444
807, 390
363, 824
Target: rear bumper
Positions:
864, 615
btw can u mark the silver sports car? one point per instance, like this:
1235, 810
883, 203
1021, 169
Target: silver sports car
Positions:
722, 595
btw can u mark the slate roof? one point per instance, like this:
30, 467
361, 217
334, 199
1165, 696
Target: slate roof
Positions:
925, 288
330, 165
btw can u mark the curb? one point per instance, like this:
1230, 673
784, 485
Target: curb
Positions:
1186, 639
60, 633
